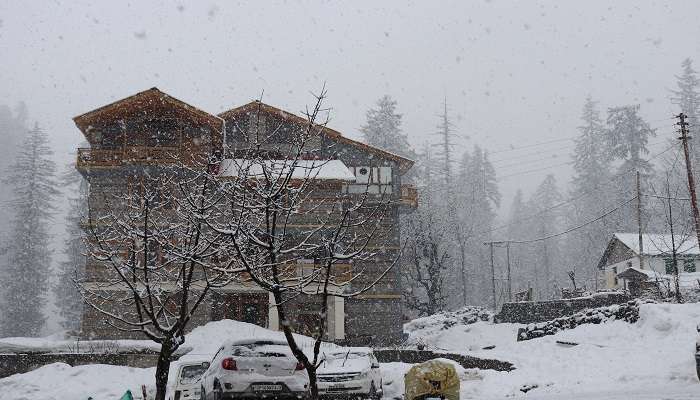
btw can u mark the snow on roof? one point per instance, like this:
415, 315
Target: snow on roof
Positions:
303, 169
659, 244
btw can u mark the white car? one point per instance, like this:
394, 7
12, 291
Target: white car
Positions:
256, 368
186, 384
350, 373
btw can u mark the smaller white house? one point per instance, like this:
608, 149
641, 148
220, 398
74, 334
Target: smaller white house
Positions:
623, 262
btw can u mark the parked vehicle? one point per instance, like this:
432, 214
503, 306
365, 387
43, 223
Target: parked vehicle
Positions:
350, 373
254, 369
187, 380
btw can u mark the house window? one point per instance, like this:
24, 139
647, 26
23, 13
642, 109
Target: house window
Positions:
668, 263
689, 265
629, 264
614, 271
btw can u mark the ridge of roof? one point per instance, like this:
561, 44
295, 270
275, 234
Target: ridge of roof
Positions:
83, 119
404, 163
659, 243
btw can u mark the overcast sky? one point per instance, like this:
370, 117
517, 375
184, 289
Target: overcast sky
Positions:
514, 73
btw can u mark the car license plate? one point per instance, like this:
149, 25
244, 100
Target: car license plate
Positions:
336, 386
267, 388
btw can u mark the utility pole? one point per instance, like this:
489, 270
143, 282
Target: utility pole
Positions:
691, 182
510, 288
639, 222
493, 279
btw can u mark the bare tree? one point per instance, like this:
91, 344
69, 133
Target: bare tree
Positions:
297, 233
154, 254
428, 259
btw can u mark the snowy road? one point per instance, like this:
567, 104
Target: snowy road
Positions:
656, 394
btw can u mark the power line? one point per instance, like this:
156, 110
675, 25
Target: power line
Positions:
572, 199
598, 218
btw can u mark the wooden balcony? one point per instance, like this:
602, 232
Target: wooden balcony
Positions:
409, 196
88, 158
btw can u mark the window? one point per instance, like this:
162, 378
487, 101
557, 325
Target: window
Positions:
615, 280
668, 263
689, 265
629, 264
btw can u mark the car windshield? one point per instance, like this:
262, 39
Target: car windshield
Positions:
191, 374
350, 356
260, 349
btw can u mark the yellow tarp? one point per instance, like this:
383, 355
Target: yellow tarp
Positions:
432, 378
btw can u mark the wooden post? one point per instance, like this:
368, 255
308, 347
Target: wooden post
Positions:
510, 287
639, 222
493, 279
691, 181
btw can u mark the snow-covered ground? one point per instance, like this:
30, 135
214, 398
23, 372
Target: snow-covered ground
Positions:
652, 359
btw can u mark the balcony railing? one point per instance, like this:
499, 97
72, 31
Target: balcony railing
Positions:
135, 154
409, 196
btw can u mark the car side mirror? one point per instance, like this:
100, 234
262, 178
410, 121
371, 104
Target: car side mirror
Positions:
206, 364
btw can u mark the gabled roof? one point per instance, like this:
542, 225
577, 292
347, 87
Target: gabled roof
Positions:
655, 245
147, 98
404, 163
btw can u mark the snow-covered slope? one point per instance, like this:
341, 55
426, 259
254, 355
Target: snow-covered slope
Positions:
651, 359
61, 381
652, 355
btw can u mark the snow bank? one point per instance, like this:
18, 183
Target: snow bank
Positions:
61, 381
56, 381
644, 360
654, 355
433, 325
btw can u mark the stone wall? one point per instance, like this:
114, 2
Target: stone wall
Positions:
11, 364
527, 312
419, 356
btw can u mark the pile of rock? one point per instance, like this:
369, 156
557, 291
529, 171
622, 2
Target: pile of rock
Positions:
447, 319
628, 312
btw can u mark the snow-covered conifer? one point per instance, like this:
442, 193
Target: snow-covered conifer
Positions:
26, 273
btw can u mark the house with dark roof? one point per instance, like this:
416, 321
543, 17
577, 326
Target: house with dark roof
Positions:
153, 128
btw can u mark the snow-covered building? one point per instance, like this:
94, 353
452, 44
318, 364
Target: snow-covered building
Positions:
623, 262
152, 128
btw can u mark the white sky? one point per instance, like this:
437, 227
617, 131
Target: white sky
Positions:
514, 72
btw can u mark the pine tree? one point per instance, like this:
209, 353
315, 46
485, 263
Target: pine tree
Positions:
519, 228
591, 186
444, 155
628, 135
687, 98
68, 298
26, 274
383, 129
542, 203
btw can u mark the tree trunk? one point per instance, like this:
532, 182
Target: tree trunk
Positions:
313, 384
162, 369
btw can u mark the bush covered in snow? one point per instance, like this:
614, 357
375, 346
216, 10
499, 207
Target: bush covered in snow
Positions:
626, 312
447, 319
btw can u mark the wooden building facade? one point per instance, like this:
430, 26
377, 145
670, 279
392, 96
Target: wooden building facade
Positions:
154, 129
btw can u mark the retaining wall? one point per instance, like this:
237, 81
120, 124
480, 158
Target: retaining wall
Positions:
527, 312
